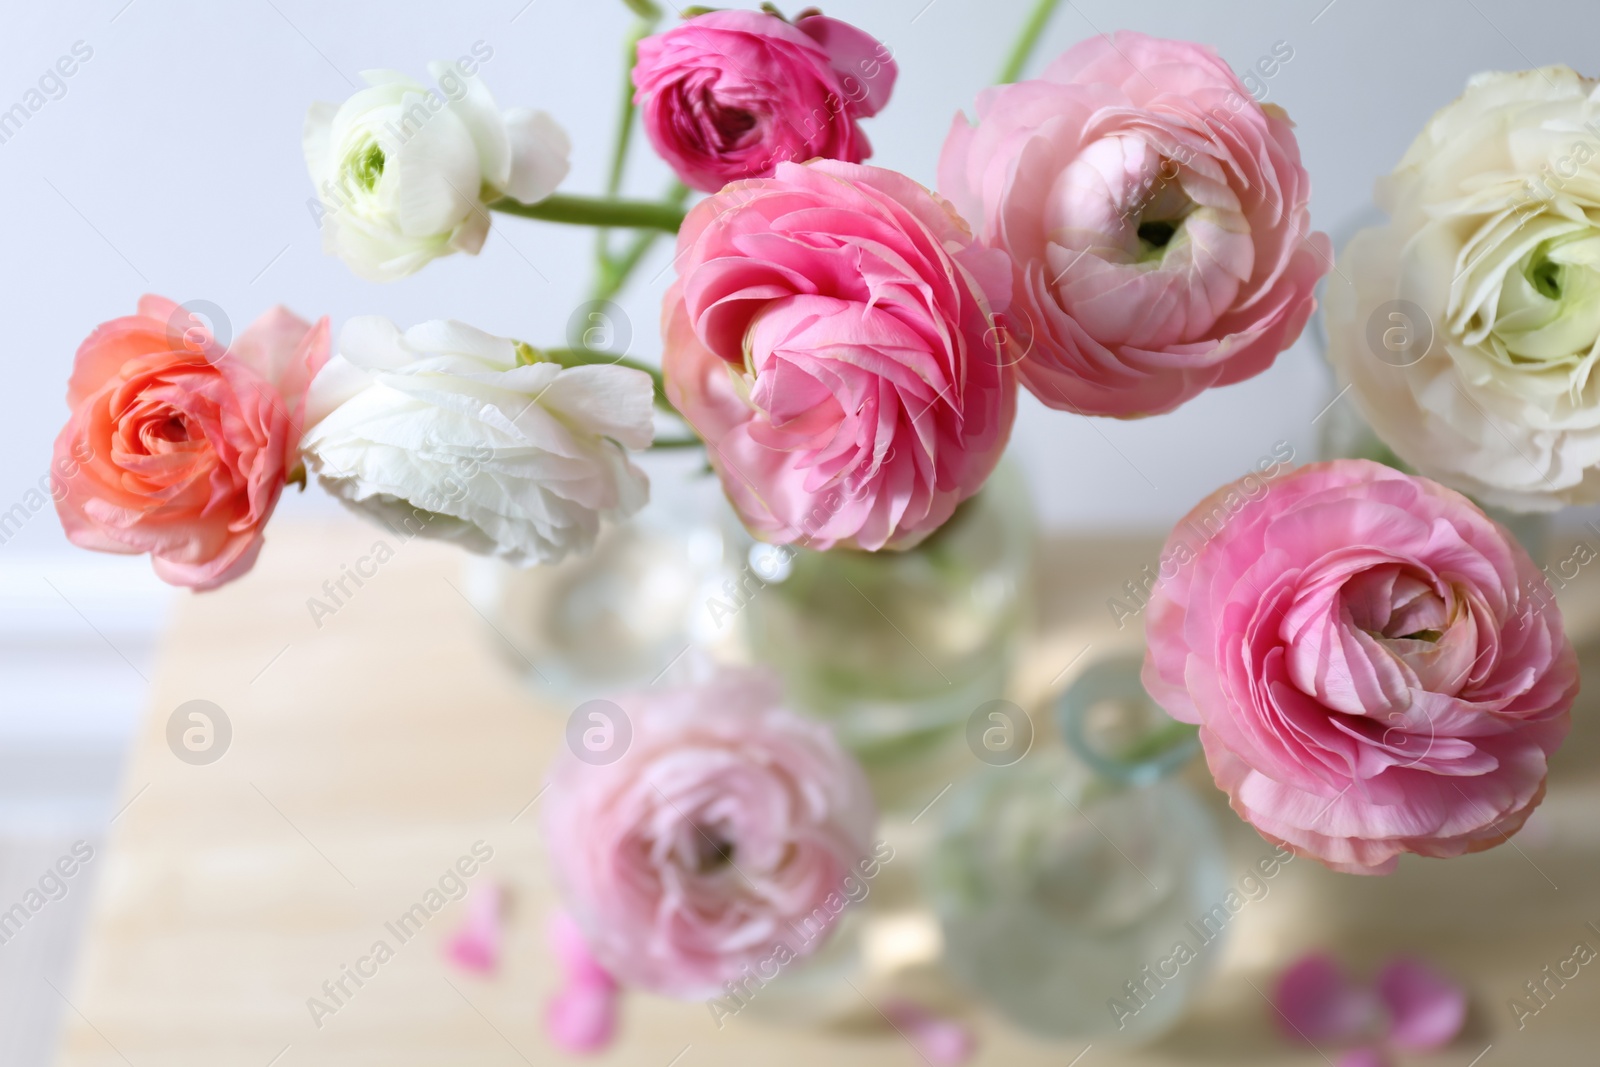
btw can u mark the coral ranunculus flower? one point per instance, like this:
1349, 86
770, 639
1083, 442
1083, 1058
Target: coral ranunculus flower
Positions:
1157, 217
1376, 667
178, 446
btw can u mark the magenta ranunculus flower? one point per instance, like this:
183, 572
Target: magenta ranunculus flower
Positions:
731, 94
1376, 666
727, 838
832, 336
1157, 218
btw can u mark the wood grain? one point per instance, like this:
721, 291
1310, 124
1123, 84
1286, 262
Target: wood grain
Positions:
371, 752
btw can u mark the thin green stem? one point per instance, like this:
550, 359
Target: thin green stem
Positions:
597, 211
619, 151
1028, 40
624, 137
677, 442
614, 273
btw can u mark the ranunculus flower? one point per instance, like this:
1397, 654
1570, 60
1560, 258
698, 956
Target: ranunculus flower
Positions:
1376, 667
731, 94
1468, 326
178, 446
726, 839
440, 431
832, 336
1157, 218
403, 171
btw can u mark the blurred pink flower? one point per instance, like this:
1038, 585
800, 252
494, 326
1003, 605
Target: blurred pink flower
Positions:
1157, 217
1410, 1007
729, 95
179, 447
831, 335
1374, 664
724, 829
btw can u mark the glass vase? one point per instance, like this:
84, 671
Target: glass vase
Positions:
1063, 890
626, 613
896, 649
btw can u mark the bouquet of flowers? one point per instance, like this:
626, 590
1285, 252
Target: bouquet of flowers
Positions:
1370, 660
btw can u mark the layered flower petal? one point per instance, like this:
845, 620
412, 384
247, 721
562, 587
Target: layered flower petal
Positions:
1376, 667
402, 171
1468, 325
723, 839
1156, 216
728, 95
832, 336
179, 446
440, 432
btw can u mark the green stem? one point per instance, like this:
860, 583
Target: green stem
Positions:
677, 442
1028, 40
614, 273
1156, 742
619, 151
597, 211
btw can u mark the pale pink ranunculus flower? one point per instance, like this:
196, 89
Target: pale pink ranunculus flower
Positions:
1157, 218
723, 840
833, 335
178, 446
729, 95
1376, 667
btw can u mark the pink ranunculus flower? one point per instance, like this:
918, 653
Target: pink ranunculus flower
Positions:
729, 95
1376, 667
833, 336
178, 446
1156, 216
722, 842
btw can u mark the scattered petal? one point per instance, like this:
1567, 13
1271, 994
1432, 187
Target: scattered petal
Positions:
1426, 1009
1318, 1004
476, 946
942, 1041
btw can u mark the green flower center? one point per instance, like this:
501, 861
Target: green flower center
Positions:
1545, 277
1548, 310
365, 167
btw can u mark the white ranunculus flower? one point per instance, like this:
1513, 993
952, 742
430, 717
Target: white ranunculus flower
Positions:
439, 431
403, 171
1468, 325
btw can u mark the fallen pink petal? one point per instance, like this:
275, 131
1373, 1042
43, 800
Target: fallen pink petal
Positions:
942, 1041
1426, 1009
1317, 1002
476, 945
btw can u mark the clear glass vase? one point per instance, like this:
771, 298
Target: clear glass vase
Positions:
626, 613
1063, 890
896, 649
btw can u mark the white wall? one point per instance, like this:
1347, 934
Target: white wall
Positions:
172, 164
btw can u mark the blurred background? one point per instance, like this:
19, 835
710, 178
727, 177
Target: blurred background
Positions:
170, 162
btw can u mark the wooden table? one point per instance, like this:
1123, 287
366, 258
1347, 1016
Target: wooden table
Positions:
371, 752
